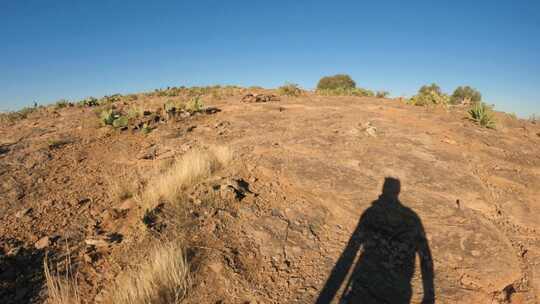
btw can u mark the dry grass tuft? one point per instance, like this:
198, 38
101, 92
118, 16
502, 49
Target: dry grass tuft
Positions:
123, 185
162, 278
186, 171
61, 289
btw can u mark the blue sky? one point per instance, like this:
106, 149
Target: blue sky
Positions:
74, 49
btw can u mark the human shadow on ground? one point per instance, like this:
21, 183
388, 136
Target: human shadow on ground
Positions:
387, 238
21, 274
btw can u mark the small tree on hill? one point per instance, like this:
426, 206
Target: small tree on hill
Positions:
339, 81
430, 89
465, 93
429, 95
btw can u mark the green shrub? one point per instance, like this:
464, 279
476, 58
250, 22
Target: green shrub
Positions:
346, 92
135, 112
290, 89
62, 103
89, 102
174, 106
432, 88
110, 99
382, 94
145, 129
120, 122
482, 115
465, 93
107, 117
194, 105
132, 97
429, 95
362, 92
339, 81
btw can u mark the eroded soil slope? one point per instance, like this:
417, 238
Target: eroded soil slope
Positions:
271, 227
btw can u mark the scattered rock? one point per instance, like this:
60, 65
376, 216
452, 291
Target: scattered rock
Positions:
42, 243
259, 98
369, 129
211, 110
97, 242
449, 141
149, 153
22, 212
83, 200
126, 205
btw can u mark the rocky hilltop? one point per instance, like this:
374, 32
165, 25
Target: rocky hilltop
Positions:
309, 199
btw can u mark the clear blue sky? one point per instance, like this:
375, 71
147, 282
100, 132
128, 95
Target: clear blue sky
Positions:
74, 49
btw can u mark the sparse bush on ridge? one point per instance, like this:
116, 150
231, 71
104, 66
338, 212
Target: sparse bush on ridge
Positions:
110, 99
432, 88
10, 117
162, 278
132, 97
215, 91
465, 93
88, 102
346, 92
482, 115
341, 85
290, 89
382, 94
339, 81
62, 103
429, 95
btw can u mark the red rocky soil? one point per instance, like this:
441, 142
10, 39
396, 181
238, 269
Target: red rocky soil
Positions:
270, 227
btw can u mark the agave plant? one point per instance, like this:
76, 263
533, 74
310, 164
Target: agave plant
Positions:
482, 115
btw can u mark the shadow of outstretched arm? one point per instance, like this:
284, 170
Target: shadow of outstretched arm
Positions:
342, 267
426, 268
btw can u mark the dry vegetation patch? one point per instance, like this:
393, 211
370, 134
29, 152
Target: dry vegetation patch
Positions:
162, 278
187, 170
61, 289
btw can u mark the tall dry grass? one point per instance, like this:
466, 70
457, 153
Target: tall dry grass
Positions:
162, 279
186, 171
61, 289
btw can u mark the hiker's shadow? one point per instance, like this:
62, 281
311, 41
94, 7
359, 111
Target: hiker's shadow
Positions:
380, 256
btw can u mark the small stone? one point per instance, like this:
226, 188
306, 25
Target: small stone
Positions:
476, 253
97, 243
370, 130
83, 201
449, 141
126, 205
14, 251
23, 212
43, 243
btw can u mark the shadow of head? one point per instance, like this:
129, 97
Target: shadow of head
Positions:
391, 188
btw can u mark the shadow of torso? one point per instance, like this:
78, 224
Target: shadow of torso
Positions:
389, 234
387, 238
